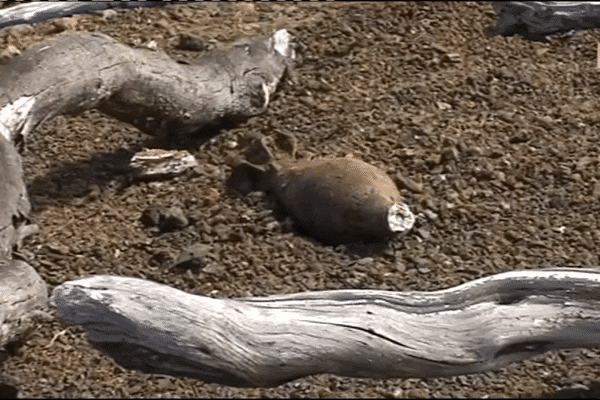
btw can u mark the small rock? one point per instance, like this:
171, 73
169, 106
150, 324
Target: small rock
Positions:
443, 106
453, 57
273, 225
365, 261
164, 219
10, 52
58, 248
400, 266
424, 233
222, 231
108, 15
191, 256
308, 101
191, 42
422, 265
408, 183
596, 191
433, 160
500, 176
430, 214
511, 182
64, 24
449, 154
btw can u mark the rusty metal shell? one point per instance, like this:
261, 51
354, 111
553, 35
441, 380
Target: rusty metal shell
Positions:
340, 200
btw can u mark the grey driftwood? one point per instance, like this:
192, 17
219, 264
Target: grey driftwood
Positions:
143, 87
23, 294
37, 11
23, 299
537, 20
265, 341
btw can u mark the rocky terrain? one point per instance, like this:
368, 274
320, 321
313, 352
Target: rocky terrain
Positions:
493, 142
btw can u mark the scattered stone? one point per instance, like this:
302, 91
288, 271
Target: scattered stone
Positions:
408, 183
159, 163
164, 219
191, 42
191, 257
430, 214
424, 233
596, 191
453, 57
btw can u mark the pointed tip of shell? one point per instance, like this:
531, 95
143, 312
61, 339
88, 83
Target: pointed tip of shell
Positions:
400, 218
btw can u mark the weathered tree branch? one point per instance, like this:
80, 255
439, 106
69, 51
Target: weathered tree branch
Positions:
74, 72
536, 20
477, 326
14, 205
23, 297
37, 11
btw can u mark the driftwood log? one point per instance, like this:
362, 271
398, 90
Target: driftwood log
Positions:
537, 20
23, 299
74, 72
29, 13
143, 87
23, 294
480, 325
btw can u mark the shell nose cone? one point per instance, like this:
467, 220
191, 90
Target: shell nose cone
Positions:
400, 218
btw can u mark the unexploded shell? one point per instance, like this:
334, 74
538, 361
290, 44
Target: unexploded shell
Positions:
334, 200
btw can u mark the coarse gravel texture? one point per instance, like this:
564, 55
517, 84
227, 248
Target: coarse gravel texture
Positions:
493, 141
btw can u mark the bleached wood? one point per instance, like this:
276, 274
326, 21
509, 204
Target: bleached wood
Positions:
478, 326
537, 20
23, 298
14, 205
77, 71
38, 11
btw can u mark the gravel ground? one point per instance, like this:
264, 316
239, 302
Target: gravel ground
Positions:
494, 142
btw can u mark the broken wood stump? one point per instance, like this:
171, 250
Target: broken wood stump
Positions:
37, 11
14, 205
23, 293
266, 341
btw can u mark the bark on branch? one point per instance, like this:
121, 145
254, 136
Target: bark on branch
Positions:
40, 11
23, 298
478, 326
536, 20
74, 72
14, 205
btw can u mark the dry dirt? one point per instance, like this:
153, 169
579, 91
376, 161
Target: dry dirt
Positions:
496, 138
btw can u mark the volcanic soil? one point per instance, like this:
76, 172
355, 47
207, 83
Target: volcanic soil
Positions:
493, 142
